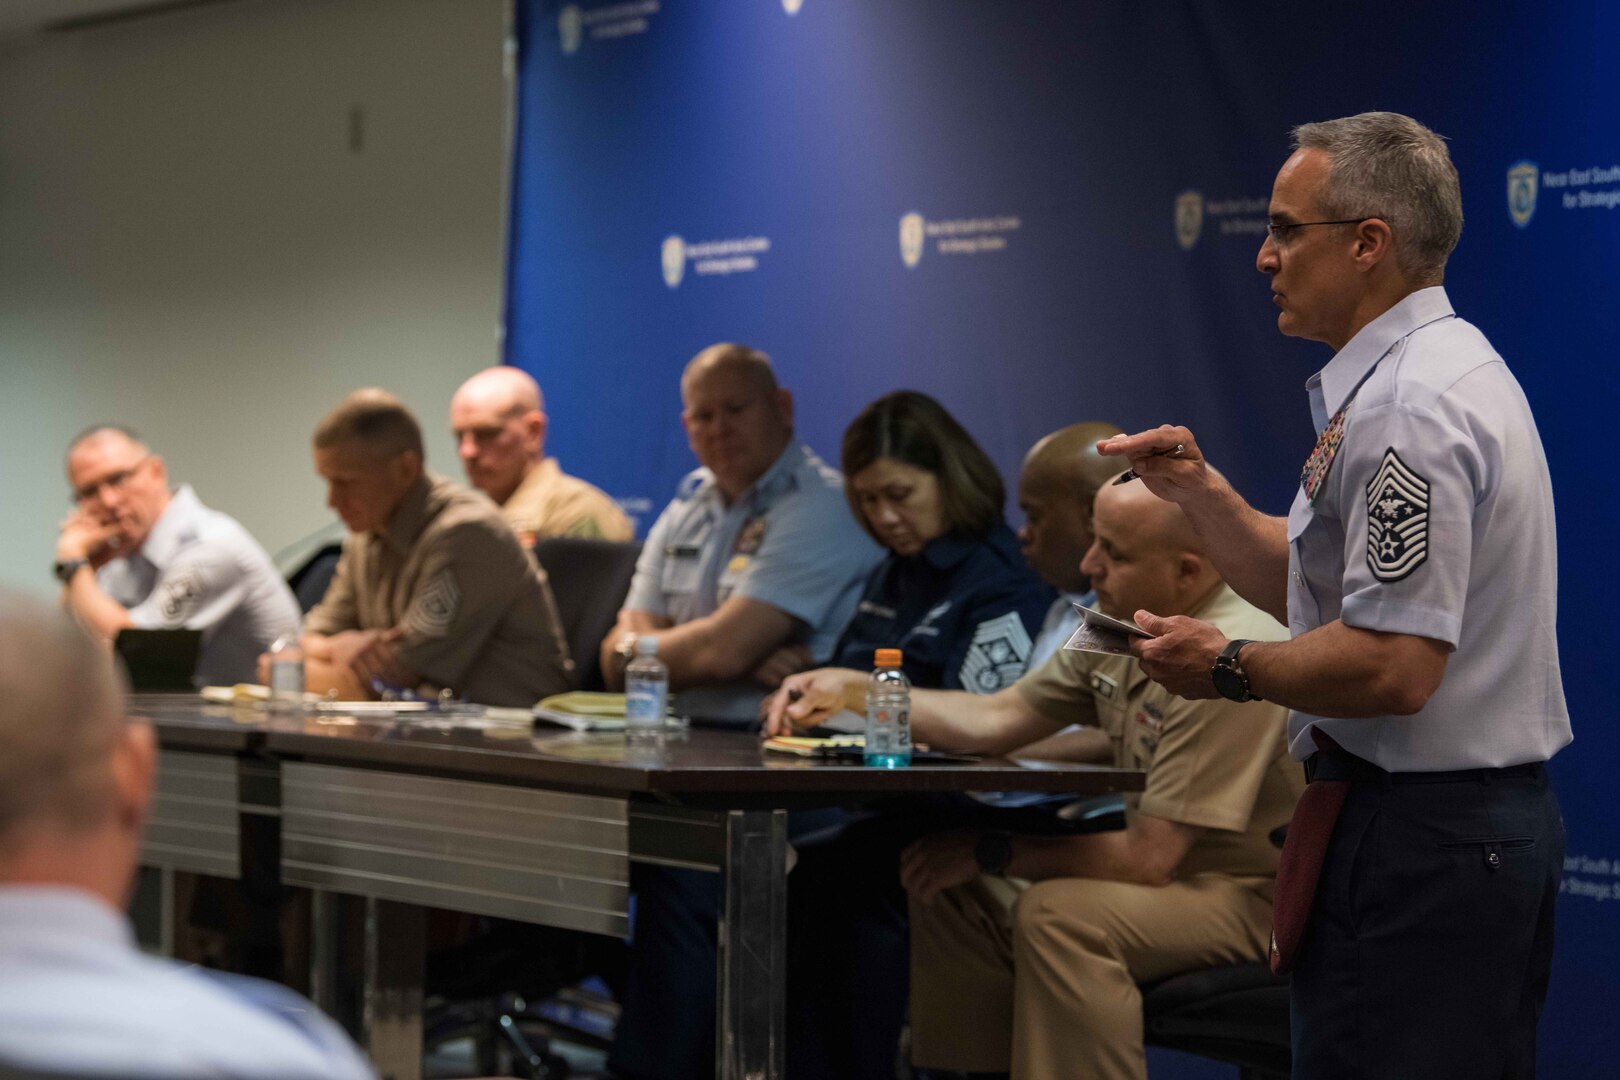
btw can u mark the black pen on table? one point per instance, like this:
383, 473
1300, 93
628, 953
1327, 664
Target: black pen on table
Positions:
1130, 474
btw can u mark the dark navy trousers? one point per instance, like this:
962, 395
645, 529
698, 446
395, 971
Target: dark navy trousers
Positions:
1430, 943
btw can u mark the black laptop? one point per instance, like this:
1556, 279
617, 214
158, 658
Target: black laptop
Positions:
162, 661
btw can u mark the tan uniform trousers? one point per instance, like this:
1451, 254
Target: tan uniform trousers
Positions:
1041, 980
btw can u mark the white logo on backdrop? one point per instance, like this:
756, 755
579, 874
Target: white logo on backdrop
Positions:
569, 27
792, 6
674, 254
1189, 219
911, 238
1522, 181
955, 236
712, 258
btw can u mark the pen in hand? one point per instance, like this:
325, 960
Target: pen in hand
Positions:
1130, 474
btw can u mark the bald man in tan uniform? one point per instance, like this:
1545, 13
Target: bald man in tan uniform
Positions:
433, 589
1041, 978
499, 421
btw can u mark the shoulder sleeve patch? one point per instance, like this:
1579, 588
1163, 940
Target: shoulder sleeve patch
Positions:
998, 656
179, 595
1397, 519
434, 609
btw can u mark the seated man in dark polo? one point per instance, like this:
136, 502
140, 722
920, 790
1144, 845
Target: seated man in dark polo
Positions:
753, 569
433, 590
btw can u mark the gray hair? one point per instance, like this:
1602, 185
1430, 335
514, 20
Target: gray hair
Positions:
1389, 166
61, 714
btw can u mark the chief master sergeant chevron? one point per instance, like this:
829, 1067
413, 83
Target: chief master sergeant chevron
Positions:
1417, 570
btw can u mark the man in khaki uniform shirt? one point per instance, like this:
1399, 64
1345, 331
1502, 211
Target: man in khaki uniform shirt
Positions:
433, 589
499, 422
1041, 978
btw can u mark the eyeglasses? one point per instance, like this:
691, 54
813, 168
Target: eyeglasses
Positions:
90, 492
1279, 231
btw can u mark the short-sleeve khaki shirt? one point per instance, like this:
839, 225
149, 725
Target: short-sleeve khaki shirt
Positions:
476, 613
1217, 764
549, 502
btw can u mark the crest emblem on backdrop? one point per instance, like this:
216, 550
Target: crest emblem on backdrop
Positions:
1397, 519
792, 6
1523, 180
674, 255
570, 26
911, 238
1189, 219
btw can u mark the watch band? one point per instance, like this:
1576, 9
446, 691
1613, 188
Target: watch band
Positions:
1229, 678
66, 568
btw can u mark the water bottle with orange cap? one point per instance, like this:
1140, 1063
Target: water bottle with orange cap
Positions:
888, 713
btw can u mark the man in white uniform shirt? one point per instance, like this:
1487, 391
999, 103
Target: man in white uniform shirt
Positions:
136, 554
1418, 573
76, 994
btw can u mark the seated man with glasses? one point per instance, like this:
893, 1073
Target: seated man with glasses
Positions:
136, 554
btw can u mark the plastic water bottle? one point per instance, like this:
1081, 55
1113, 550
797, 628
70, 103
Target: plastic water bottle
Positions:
287, 673
646, 690
888, 713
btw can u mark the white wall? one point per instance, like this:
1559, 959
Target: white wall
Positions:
190, 245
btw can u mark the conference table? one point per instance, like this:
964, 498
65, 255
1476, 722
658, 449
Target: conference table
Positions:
459, 811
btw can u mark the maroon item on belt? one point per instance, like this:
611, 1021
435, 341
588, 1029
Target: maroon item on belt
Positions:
1300, 867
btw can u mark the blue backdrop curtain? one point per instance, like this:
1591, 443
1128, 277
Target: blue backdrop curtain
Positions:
1043, 212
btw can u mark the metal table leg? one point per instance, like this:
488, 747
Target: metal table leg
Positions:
395, 938
753, 933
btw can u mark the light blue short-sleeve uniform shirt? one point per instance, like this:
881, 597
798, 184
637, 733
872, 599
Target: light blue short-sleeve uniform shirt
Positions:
199, 569
1435, 519
790, 542
77, 997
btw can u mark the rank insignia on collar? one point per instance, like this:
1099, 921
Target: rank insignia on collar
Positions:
750, 536
1320, 462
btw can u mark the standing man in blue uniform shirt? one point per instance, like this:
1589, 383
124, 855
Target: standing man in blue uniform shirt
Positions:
77, 996
753, 569
1417, 570
136, 554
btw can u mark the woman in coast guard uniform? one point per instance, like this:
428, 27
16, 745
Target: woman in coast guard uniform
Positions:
955, 596
953, 593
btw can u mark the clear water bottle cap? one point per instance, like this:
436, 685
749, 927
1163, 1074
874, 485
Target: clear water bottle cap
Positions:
887, 658
647, 646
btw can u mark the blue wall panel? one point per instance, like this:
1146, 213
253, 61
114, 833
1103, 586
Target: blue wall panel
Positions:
1079, 123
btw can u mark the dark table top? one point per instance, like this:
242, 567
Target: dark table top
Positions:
697, 763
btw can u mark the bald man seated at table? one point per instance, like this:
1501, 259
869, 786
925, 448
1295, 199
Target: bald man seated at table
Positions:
498, 418
433, 590
77, 996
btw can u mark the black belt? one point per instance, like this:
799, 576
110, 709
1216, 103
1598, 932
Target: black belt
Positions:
1339, 765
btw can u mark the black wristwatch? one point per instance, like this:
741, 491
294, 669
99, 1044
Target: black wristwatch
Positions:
65, 569
1230, 681
993, 852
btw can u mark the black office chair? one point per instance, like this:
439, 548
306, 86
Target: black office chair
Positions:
309, 581
589, 579
1236, 1014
